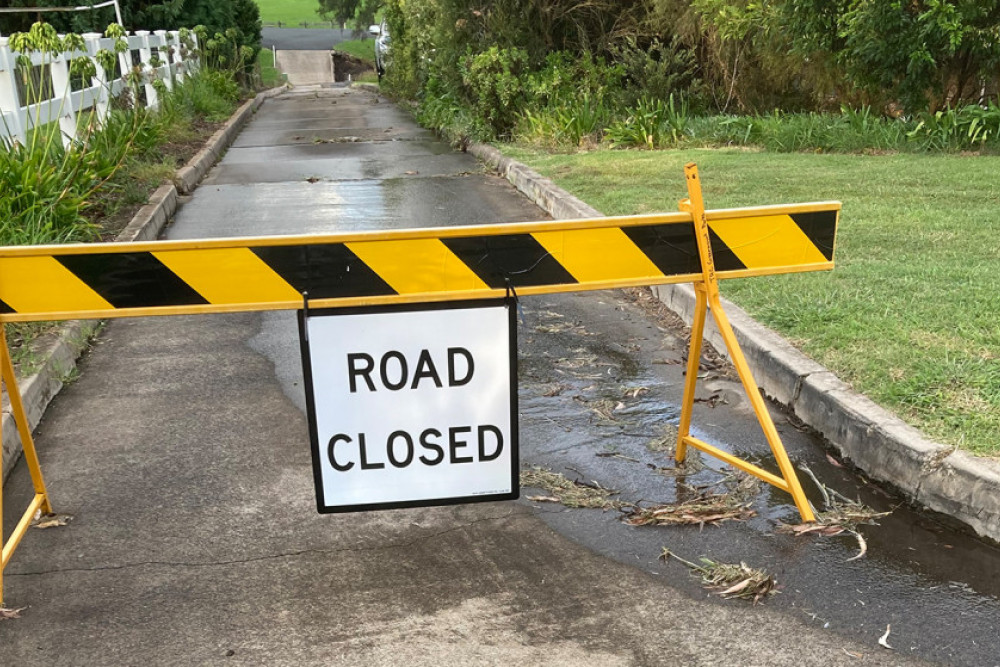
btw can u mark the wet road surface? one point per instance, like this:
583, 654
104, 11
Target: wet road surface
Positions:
183, 452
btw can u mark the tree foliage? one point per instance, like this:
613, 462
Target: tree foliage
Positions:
925, 53
217, 16
736, 55
358, 13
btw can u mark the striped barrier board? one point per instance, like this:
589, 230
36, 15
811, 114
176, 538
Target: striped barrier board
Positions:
407, 266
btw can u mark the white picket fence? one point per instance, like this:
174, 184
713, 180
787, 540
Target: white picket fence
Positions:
64, 107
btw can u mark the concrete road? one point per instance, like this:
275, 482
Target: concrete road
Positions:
306, 68
183, 453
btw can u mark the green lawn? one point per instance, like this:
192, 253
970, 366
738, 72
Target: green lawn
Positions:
359, 48
269, 74
910, 315
292, 12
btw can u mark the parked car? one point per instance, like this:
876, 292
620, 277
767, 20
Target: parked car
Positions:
382, 44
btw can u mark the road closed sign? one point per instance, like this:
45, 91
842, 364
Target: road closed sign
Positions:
411, 405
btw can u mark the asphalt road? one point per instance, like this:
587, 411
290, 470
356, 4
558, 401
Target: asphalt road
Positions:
303, 39
182, 451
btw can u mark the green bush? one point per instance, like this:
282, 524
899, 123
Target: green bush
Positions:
657, 70
652, 123
494, 84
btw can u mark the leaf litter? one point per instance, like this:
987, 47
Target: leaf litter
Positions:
730, 580
43, 521
7, 613
571, 493
840, 515
704, 507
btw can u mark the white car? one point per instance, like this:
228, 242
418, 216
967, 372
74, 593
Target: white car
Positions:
382, 41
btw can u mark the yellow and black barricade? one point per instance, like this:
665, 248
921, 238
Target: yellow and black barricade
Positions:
106, 280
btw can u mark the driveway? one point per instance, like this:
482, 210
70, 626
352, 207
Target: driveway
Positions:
182, 451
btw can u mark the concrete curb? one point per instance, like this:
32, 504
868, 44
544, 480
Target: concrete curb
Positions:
58, 360
931, 474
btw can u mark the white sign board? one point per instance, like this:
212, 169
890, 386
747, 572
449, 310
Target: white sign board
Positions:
412, 405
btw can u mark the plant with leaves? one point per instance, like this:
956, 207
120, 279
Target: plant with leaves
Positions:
359, 13
927, 54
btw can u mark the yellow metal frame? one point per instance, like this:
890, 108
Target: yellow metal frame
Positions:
40, 502
706, 288
707, 297
372, 238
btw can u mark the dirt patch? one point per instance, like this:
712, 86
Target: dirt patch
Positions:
347, 67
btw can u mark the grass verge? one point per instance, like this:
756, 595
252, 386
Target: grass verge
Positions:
908, 317
270, 76
292, 12
363, 49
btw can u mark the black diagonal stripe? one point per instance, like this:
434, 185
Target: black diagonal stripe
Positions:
820, 227
324, 271
4, 308
515, 257
725, 259
672, 248
131, 280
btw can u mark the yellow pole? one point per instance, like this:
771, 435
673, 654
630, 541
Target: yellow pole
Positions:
708, 289
3, 351
691, 379
23, 427
41, 500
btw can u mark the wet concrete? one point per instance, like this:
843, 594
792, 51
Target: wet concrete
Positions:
306, 68
182, 450
938, 588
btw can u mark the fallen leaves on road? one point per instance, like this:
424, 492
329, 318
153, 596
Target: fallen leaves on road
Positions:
713, 400
571, 493
884, 639
730, 580
42, 521
604, 408
7, 613
706, 509
635, 392
840, 515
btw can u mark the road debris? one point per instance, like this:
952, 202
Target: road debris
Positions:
666, 442
840, 515
616, 455
884, 639
7, 613
706, 508
730, 580
635, 392
43, 521
571, 493
604, 408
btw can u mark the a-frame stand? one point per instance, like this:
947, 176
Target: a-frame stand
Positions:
707, 297
41, 499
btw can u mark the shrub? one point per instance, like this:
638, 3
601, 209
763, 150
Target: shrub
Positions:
494, 86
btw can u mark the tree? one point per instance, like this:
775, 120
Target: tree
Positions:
215, 15
360, 12
926, 54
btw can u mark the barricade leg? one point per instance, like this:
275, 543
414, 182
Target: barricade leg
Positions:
707, 297
691, 378
41, 500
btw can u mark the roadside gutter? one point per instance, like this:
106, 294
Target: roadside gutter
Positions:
935, 476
